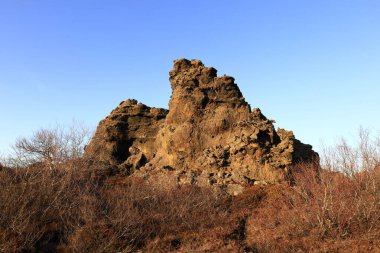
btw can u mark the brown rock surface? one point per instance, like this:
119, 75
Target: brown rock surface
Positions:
127, 136
209, 136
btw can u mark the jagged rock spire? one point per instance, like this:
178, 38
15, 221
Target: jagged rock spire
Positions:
210, 135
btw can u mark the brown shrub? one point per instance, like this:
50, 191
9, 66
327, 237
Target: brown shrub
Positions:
69, 210
39, 206
338, 203
133, 213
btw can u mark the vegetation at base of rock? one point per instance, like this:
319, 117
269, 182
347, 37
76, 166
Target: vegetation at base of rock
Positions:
79, 206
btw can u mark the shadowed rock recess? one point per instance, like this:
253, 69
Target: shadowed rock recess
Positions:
209, 136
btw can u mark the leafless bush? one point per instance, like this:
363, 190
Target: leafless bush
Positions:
39, 207
135, 213
339, 201
350, 159
50, 146
72, 210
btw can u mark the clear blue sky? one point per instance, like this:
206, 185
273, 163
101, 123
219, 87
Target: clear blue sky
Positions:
313, 66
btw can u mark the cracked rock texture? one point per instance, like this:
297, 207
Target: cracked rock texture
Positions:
209, 136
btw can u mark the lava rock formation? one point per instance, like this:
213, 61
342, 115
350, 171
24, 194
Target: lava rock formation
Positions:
209, 136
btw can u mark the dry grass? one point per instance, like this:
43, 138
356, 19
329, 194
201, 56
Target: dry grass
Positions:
336, 204
39, 206
70, 210
319, 211
75, 207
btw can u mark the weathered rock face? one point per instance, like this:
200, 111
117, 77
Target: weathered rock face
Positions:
209, 136
127, 136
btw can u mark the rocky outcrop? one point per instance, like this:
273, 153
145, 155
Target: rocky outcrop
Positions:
209, 136
127, 136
